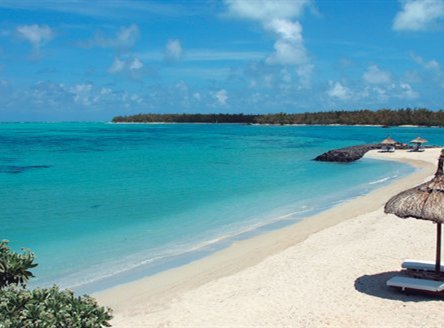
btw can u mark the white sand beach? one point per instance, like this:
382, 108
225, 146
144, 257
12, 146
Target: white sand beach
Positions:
328, 270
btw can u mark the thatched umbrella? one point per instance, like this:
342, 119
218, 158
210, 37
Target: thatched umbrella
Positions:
419, 140
425, 202
388, 141
388, 144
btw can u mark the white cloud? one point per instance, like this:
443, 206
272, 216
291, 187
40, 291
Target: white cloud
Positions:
117, 66
120, 65
337, 90
407, 91
287, 30
221, 96
418, 15
432, 72
87, 95
264, 9
279, 18
375, 75
197, 96
135, 64
105, 91
125, 37
382, 93
132, 67
37, 35
173, 50
432, 65
289, 47
82, 94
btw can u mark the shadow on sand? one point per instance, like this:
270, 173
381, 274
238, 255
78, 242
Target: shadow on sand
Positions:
375, 285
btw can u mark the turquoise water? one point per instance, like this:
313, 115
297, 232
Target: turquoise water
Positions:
102, 203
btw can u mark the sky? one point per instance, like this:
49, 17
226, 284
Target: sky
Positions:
86, 60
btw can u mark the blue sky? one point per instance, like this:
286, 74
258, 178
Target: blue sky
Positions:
92, 60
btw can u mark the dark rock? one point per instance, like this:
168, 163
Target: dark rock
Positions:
16, 169
348, 154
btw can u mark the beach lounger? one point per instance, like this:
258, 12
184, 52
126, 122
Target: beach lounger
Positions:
424, 285
420, 265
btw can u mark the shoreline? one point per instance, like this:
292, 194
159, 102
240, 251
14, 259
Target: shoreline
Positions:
157, 291
214, 245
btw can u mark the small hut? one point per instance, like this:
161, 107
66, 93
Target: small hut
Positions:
418, 144
388, 144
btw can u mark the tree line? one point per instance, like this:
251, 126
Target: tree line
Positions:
385, 117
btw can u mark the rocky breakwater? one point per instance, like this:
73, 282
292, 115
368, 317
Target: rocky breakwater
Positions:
348, 154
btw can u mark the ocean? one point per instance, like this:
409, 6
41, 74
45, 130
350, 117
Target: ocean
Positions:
101, 204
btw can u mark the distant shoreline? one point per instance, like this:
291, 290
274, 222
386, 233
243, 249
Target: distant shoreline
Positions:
268, 124
383, 117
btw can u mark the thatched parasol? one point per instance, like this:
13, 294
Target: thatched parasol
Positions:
419, 140
425, 202
388, 141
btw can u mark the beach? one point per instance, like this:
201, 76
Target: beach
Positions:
327, 270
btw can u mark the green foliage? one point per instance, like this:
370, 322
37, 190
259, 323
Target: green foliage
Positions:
49, 307
186, 118
14, 267
386, 117
41, 308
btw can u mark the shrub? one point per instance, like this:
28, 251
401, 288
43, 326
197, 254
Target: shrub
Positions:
41, 307
14, 267
49, 307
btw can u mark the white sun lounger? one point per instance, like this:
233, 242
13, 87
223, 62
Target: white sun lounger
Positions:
417, 284
420, 265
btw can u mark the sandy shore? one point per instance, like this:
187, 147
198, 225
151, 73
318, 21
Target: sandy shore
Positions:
328, 270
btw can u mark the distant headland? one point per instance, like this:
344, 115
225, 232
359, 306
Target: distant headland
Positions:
383, 117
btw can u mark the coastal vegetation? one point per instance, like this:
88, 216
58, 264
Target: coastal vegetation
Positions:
41, 307
385, 117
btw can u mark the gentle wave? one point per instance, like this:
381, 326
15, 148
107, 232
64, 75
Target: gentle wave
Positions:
383, 179
95, 275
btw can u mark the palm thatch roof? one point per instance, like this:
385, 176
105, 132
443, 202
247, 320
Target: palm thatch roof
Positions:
419, 140
388, 141
425, 202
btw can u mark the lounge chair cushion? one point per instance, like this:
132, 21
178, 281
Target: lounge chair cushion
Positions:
415, 283
420, 265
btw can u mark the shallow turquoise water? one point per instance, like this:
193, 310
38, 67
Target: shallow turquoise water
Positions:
97, 200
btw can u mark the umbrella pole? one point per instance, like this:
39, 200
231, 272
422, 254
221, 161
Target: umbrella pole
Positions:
438, 248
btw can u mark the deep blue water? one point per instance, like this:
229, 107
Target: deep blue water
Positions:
97, 200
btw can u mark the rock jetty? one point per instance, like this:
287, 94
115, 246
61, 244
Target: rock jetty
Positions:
348, 154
